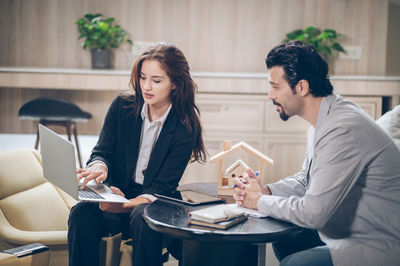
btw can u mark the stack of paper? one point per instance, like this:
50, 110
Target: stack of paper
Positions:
220, 216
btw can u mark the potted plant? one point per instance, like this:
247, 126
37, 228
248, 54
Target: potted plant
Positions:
101, 35
326, 42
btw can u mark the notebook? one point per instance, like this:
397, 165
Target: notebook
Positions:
219, 225
216, 213
58, 157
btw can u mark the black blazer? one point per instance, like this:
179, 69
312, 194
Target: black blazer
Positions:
118, 148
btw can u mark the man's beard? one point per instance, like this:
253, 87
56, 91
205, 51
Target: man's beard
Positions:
284, 116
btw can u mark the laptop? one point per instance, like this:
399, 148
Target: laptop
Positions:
59, 167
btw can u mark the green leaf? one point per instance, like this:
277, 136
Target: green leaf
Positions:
323, 36
80, 21
293, 35
312, 31
89, 17
309, 29
110, 20
112, 30
95, 20
330, 31
85, 44
300, 37
338, 47
103, 26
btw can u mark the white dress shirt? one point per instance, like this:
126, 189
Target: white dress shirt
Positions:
150, 132
148, 138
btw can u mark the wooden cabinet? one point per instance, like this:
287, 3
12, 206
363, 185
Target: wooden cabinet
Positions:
234, 106
231, 113
371, 105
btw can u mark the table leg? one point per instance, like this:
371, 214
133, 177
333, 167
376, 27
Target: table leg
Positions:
215, 254
262, 250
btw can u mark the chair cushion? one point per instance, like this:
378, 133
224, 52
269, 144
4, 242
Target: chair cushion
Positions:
50, 109
20, 169
40, 208
390, 122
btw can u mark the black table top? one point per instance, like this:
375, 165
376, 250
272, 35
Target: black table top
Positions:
172, 218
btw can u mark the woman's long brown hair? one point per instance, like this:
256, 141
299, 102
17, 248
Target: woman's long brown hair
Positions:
174, 63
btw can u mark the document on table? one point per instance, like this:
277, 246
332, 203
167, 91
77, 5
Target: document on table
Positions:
216, 213
249, 212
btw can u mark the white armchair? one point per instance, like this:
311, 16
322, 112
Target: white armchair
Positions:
31, 208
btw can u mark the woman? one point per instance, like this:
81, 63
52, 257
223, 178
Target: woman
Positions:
144, 146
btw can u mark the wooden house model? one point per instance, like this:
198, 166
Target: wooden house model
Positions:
235, 170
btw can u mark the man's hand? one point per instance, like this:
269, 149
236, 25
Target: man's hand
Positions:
248, 190
97, 171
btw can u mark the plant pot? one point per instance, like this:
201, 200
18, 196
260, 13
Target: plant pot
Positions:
101, 58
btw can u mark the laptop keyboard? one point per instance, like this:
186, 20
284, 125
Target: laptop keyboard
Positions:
88, 193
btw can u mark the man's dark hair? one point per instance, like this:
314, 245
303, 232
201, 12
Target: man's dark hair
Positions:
301, 61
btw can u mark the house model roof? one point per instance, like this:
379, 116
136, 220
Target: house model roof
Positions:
236, 169
242, 146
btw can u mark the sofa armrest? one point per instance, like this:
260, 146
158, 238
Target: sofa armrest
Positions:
69, 201
13, 235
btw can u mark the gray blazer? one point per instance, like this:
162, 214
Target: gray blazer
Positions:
348, 189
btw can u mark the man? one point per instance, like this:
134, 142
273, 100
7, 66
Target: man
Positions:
348, 193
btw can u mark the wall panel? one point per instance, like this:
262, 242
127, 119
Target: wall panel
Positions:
215, 35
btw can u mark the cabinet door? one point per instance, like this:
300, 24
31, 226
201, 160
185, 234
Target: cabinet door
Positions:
287, 151
231, 113
371, 105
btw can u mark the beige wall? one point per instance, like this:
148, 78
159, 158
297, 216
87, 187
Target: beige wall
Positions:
215, 35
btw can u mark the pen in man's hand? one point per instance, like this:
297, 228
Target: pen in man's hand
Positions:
256, 173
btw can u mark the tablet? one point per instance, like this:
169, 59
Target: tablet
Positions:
192, 202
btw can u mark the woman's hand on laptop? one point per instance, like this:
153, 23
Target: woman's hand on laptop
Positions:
122, 207
113, 207
97, 170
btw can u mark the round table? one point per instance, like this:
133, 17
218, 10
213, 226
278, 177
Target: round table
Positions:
242, 244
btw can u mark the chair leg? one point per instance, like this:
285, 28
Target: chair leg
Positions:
75, 132
37, 136
109, 248
68, 128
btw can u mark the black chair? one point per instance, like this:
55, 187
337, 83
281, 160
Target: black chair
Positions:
49, 111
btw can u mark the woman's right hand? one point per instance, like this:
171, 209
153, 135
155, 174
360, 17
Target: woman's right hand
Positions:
97, 171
